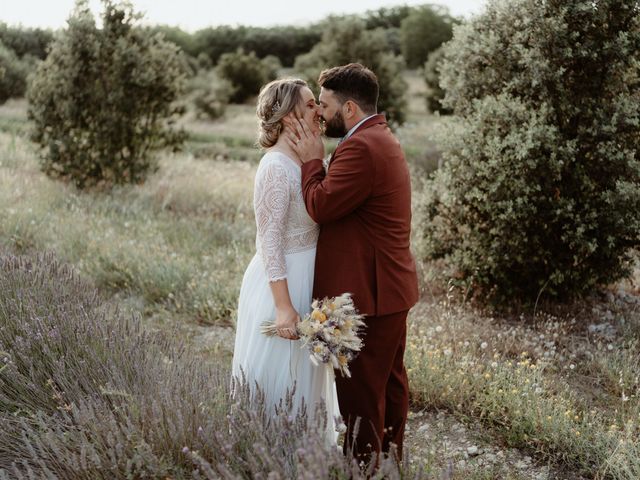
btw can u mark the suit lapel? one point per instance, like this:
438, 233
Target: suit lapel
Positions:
375, 120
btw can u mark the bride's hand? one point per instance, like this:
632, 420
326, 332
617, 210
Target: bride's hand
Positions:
305, 142
286, 321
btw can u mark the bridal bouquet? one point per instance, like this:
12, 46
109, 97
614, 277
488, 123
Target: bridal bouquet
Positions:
330, 332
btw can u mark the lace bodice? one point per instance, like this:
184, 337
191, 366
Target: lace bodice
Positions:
283, 224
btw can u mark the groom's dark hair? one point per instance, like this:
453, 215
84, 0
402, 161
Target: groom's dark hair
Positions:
352, 82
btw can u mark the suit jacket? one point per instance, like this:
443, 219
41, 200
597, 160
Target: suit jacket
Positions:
363, 204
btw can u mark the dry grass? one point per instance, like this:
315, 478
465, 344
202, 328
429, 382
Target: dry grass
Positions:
181, 241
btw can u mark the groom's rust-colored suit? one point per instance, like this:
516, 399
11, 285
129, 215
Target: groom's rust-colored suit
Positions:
363, 204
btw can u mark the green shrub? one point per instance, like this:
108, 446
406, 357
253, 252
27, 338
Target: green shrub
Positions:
13, 84
435, 93
423, 31
210, 94
204, 62
104, 99
246, 73
540, 191
345, 41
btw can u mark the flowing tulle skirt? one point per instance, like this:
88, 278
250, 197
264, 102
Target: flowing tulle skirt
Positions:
274, 363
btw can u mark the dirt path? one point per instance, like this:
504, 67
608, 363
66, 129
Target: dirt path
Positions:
470, 453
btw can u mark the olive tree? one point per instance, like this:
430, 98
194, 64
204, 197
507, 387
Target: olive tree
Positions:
105, 98
540, 190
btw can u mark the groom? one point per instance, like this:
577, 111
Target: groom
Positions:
363, 204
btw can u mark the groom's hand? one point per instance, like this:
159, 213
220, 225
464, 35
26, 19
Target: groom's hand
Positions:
306, 144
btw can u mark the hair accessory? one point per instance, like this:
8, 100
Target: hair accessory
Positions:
275, 108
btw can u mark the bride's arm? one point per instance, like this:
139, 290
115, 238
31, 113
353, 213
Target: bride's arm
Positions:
271, 204
286, 315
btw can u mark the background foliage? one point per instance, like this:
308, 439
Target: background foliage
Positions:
423, 31
13, 81
346, 41
246, 73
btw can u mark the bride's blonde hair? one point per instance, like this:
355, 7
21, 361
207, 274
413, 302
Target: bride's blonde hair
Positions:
275, 101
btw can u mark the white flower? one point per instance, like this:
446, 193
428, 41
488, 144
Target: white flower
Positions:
483, 345
438, 329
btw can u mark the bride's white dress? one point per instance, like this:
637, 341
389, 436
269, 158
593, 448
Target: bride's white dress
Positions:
286, 248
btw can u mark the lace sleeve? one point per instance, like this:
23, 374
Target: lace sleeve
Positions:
271, 204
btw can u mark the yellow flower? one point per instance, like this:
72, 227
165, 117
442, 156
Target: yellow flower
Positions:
342, 359
318, 315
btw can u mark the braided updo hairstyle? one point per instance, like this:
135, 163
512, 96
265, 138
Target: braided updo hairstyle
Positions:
275, 101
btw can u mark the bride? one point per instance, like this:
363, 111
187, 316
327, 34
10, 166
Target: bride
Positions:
278, 282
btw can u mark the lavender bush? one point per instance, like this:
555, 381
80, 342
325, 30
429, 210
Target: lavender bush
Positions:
87, 392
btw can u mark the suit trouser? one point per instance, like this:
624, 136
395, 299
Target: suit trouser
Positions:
378, 390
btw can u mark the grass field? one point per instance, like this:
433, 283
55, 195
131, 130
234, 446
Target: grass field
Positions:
555, 394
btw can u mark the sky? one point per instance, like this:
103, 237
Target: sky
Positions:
195, 14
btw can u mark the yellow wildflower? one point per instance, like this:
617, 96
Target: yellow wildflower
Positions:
318, 315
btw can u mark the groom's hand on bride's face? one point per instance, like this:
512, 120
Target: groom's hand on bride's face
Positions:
306, 143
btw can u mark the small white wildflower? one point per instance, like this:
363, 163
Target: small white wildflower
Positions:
438, 329
609, 347
483, 345
466, 344
572, 366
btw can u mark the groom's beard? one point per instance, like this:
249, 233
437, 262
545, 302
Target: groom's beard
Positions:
335, 127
